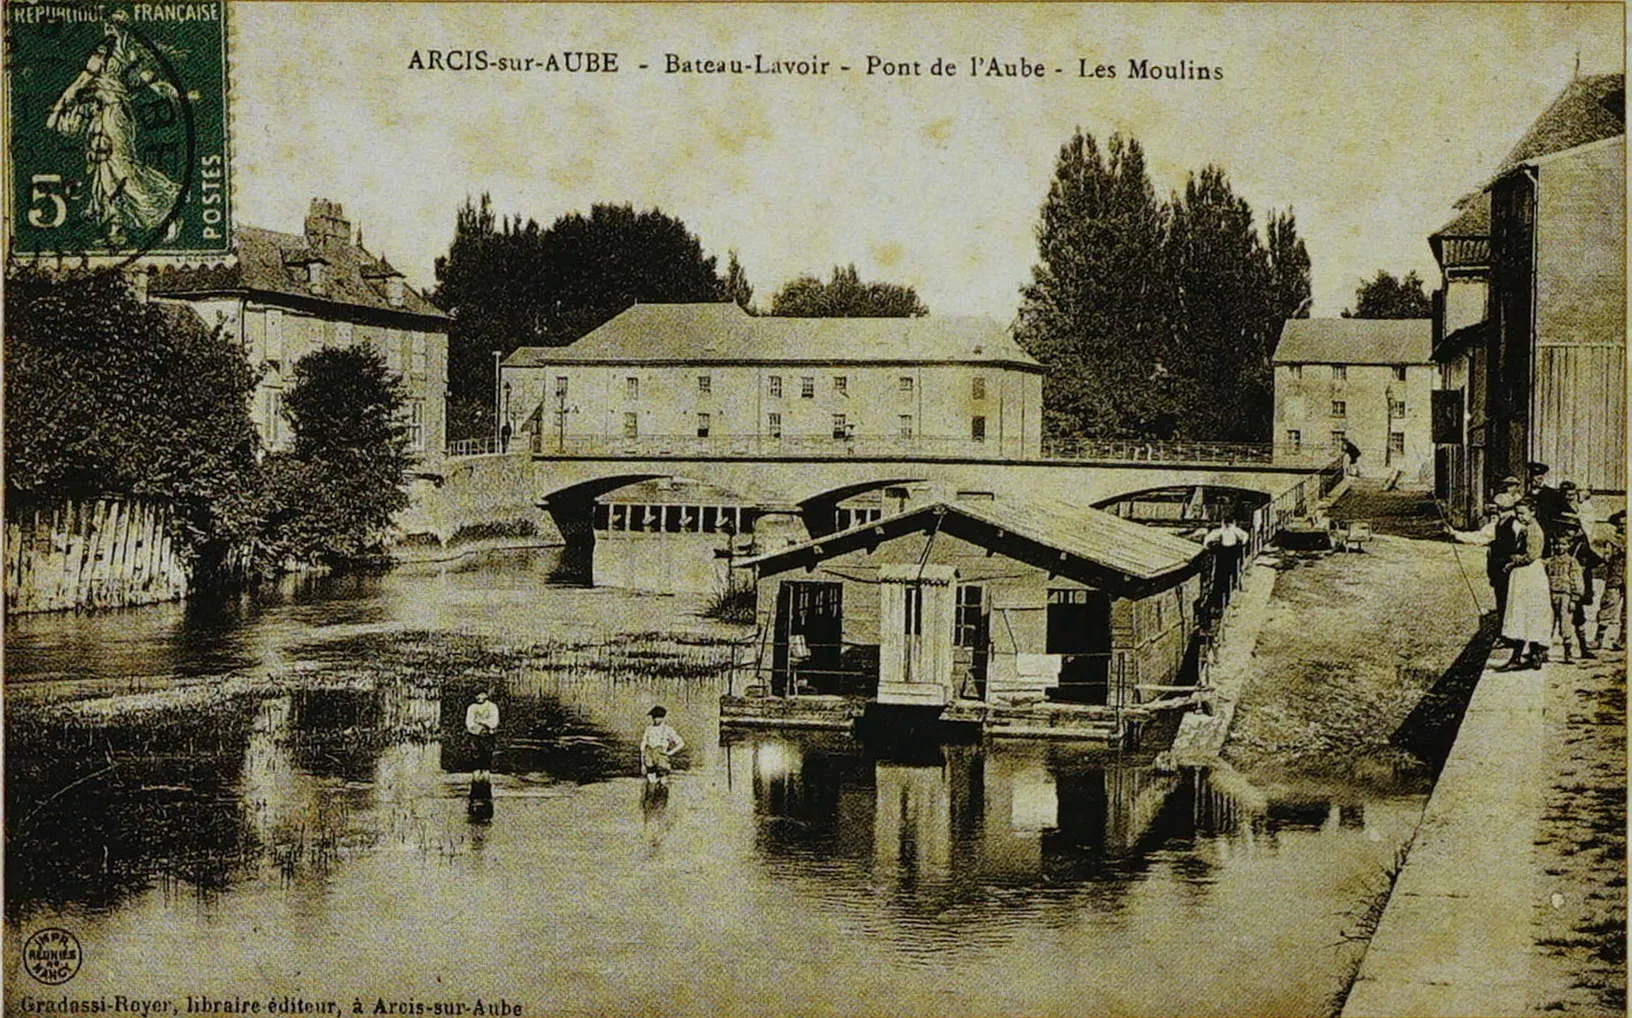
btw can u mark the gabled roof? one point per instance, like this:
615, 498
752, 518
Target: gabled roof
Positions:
1355, 341
1589, 109
1464, 242
694, 333
275, 263
1087, 537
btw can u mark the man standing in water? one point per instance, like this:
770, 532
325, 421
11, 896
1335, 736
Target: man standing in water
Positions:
482, 722
657, 744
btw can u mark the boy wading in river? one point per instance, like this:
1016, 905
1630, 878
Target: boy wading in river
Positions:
482, 722
657, 744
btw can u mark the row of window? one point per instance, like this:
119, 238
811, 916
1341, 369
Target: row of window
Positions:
672, 519
1396, 408
1396, 440
843, 427
807, 386
1340, 372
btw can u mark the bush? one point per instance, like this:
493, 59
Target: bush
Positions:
493, 529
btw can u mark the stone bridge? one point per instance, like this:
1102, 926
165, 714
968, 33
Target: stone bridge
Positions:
558, 488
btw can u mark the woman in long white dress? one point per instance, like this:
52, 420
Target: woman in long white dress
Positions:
1528, 621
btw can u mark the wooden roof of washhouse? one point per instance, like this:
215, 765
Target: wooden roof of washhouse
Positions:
1078, 542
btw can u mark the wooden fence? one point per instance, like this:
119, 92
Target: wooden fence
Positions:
106, 553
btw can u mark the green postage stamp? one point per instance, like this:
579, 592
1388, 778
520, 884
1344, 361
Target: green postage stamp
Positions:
118, 129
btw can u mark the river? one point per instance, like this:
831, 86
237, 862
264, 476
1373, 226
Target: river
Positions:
283, 810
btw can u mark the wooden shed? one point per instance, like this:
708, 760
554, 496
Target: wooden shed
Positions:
996, 600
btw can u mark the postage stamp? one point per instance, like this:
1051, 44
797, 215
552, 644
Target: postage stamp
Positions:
118, 128
828, 510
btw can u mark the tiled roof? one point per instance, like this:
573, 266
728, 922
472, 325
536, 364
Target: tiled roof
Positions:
1130, 549
724, 332
1472, 221
1464, 242
1355, 341
275, 263
1589, 109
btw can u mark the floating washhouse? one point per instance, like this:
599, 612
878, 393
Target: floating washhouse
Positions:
1025, 616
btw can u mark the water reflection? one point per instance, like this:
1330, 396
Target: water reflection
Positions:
287, 825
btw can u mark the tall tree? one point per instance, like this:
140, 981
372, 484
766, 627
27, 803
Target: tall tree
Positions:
1095, 311
337, 489
737, 288
1224, 321
1290, 290
1384, 296
108, 395
845, 296
510, 283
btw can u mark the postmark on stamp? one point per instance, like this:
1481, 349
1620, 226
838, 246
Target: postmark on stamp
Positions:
118, 129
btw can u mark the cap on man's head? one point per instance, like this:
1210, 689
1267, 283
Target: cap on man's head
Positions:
1536, 469
658, 712
1567, 486
1509, 481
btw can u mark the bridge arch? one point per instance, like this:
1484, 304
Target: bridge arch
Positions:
1193, 505
820, 510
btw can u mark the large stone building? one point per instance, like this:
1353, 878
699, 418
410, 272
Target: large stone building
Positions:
1359, 381
702, 377
284, 295
1530, 326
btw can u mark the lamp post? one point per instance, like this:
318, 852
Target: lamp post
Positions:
496, 355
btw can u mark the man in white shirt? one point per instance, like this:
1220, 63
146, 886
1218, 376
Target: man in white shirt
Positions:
1229, 546
482, 721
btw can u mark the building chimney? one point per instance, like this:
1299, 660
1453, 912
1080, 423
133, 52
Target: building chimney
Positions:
326, 223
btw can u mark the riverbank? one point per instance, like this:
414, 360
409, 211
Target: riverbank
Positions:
1512, 900
1352, 651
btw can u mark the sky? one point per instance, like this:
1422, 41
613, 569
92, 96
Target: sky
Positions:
1368, 120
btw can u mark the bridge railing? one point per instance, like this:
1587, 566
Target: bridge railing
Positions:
481, 446
914, 447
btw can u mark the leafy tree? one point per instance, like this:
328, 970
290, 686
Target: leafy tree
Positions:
512, 283
845, 296
1095, 309
335, 492
108, 395
1383, 296
737, 288
1156, 319
1224, 324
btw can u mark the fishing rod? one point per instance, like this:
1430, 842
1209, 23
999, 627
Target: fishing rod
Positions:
1456, 554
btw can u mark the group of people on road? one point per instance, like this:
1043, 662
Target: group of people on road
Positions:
1550, 575
659, 742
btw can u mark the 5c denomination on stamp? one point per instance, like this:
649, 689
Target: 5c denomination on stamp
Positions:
118, 128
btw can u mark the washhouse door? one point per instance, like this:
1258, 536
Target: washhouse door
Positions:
1079, 630
808, 648
916, 616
